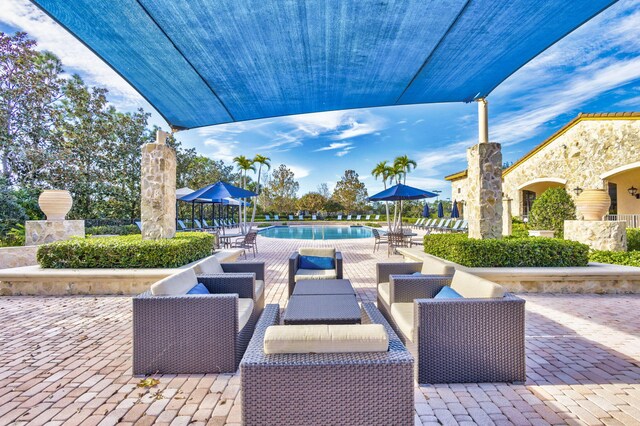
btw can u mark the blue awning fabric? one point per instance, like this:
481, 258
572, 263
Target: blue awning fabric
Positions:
203, 62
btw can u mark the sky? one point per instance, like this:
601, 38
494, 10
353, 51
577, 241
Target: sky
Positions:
594, 69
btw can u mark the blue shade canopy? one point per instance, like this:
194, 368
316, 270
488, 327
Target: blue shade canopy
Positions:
401, 192
440, 210
218, 191
425, 211
454, 210
203, 62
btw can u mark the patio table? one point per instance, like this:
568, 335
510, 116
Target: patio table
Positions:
226, 237
322, 309
323, 287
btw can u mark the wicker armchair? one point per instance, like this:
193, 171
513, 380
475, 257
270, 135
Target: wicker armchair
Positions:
456, 340
187, 334
327, 388
297, 274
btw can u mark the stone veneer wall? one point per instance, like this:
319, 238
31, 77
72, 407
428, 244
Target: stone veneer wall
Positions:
158, 191
483, 207
14, 257
599, 235
587, 150
47, 231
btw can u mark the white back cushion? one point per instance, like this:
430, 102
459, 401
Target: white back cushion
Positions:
210, 265
320, 338
176, 284
472, 286
321, 252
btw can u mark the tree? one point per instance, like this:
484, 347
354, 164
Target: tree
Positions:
281, 189
350, 192
261, 160
402, 166
312, 201
386, 172
551, 209
244, 164
323, 189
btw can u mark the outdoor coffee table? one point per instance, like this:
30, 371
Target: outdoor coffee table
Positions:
322, 309
320, 287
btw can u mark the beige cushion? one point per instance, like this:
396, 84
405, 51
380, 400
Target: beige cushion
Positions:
210, 265
402, 314
472, 286
258, 289
319, 338
432, 266
322, 252
245, 309
176, 284
315, 274
383, 292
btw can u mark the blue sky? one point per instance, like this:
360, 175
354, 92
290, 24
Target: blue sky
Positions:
594, 69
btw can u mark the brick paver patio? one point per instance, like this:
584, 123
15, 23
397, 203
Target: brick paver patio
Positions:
67, 360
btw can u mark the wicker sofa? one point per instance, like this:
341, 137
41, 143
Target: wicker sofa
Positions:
297, 274
363, 388
475, 339
188, 334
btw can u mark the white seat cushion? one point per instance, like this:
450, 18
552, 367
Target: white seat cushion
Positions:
474, 287
320, 252
258, 289
431, 266
321, 338
383, 291
402, 314
245, 309
176, 284
210, 265
315, 274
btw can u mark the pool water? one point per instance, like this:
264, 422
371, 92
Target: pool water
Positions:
318, 232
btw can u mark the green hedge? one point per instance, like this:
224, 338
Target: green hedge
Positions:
113, 230
633, 239
507, 252
629, 258
128, 251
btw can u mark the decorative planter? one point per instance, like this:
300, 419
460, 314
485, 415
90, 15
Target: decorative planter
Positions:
541, 233
55, 203
592, 204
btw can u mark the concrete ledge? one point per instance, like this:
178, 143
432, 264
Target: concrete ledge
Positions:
34, 280
599, 278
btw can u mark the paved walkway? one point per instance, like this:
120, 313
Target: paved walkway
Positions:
67, 360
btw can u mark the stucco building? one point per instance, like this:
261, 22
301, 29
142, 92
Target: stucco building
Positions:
592, 151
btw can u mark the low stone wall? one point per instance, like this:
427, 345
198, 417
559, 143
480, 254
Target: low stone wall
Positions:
598, 278
14, 257
599, 235
36, 281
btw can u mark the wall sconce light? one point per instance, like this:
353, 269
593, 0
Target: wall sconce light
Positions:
577, 190
633, 191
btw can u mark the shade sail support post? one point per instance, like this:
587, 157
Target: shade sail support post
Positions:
483, 120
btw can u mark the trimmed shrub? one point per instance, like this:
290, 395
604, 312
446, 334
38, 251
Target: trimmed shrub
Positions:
519, 228
508, 252
113, 230
373, 224
129, 251
551, 209
628, 258
633, 239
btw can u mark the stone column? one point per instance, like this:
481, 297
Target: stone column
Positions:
598, 234
506, 216
158, 190
484, 199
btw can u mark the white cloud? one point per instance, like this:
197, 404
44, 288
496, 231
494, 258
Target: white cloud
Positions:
299, 171
221, 149
334, 145
74, 55
344, 151
634, 103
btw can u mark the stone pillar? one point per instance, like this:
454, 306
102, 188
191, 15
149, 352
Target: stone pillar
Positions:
158, 190
506, 216
47, 231
484, 198
598, 234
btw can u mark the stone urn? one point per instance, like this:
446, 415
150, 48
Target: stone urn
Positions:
592, 204
55, 203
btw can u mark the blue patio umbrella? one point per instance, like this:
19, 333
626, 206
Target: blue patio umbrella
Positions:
454, 210
440, 210
425, 211
401, 192
218, 191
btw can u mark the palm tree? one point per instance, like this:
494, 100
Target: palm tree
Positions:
244, 164
386, 172
261, 160
402, 166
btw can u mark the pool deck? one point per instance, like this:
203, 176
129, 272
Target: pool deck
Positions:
67, 360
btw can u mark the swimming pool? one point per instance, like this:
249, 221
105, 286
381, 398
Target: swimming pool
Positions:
317, 232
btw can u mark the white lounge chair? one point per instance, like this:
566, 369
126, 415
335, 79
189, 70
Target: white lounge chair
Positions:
377, 217
368, 217
348, 217
359, 217
300, 217
314, 217
267, 218
290, 217
276, 217
339, 217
